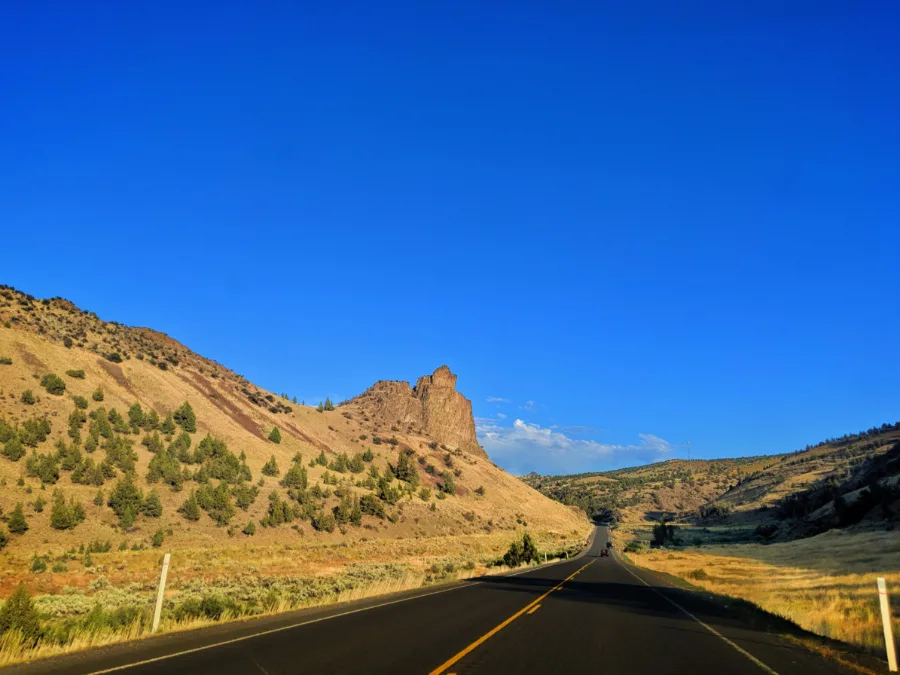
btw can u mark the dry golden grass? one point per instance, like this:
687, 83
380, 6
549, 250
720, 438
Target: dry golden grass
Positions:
824, 584
471, 556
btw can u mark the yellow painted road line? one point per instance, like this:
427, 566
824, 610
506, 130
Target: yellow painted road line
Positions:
165, 657
496, 629
533, 609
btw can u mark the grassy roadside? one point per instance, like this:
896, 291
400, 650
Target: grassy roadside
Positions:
281, 579
824, 584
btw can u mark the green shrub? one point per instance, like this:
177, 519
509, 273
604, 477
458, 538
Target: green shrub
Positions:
19, 613
448, 485
17, 523
158, 538
406, 468
7, 431
65, 516
136, 415
152, 506
372, 505
120, 453
80, 402
166, 468
97, 395
216, 502
38, 564
275, 436
249, 529
39, 504
387, 492
190, 509
323, 521
296, 477
214, 606
368, 455
244, 495
28, 397
185, 418
5, 361
636, 546
125, 497
168, 426
270, 468
480, 491
521, 552
54, 384
34, 431
42, 466
77, 374
59, 566
13, 449
89, 473
4, 537
699, 574
663, 533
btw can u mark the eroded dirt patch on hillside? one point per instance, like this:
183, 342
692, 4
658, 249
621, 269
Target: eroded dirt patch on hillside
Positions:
222, 403
29, 358
116, 373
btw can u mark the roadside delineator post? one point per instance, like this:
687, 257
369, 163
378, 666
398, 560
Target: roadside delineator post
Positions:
889, 645
162, 590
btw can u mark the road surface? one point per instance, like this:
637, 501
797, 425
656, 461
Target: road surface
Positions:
585, 615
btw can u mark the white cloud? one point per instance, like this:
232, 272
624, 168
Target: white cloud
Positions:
655, 442
525, 447
529, 406
497, 399
501, 416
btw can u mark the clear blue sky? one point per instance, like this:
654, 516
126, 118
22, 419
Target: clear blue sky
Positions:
639, 224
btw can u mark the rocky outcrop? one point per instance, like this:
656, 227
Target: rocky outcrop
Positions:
447, 414
432, 408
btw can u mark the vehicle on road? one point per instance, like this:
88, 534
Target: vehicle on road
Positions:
604, 552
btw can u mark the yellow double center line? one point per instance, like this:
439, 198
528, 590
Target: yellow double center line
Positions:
496, 629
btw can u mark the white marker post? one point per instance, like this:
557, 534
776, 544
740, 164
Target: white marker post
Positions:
159, 595
886, 621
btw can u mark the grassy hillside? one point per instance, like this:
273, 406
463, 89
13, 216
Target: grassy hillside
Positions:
802, 534
798, 490
118, 442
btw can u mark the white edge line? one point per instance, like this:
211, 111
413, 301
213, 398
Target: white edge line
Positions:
164, 657
115, 669
706, 626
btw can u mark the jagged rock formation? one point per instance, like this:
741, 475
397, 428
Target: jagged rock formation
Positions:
432, 408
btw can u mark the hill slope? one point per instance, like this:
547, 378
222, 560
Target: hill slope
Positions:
835, 483
146, 377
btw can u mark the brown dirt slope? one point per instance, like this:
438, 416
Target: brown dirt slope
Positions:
138, 365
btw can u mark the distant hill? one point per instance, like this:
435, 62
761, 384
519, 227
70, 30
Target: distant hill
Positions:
836, 483
101, 416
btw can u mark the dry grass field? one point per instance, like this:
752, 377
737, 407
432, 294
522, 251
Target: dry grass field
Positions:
257, 580
824, 584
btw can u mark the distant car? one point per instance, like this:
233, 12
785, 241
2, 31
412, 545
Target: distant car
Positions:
604, 553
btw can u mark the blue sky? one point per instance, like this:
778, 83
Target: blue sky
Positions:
626, 226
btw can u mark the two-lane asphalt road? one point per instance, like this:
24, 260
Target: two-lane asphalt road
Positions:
588, 614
